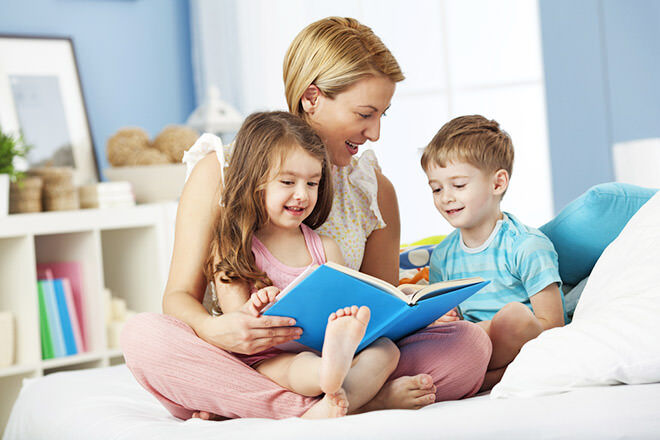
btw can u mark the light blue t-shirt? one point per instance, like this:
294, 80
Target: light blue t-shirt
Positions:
518, 260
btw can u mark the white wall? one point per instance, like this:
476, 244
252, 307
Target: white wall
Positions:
459, 57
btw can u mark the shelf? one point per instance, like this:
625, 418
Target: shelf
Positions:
18, 370
71, 360
56, 222
114, 353
125, 250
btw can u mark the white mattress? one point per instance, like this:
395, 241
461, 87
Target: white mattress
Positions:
107, 403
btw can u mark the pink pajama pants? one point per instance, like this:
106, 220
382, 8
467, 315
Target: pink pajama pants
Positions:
187, 374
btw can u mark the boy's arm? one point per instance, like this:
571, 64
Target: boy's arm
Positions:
548, 307
537, 265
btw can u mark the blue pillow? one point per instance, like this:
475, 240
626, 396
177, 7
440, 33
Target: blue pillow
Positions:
584, 228
416, 257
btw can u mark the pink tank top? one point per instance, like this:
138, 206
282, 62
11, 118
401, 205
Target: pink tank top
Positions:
279, 273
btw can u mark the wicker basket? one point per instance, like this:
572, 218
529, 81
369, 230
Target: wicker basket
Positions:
25, 196
59, 192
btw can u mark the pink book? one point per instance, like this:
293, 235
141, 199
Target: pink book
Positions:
73, 315
72, 271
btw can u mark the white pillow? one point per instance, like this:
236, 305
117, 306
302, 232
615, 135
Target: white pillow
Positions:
615, 334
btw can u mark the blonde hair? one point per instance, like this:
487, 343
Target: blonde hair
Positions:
333, 54
260, 147
471, 139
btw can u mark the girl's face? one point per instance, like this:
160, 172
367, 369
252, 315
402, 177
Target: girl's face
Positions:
292, 190
352, 117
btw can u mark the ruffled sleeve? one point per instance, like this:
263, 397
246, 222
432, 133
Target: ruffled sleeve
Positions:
204, 145
363, 178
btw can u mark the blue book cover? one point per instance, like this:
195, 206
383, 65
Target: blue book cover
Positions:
54, 324
65, 320
319, 291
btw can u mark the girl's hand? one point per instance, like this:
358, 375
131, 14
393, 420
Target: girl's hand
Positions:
241, 332
450, 316
260, 299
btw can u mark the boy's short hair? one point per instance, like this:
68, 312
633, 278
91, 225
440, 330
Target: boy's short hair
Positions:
472, 139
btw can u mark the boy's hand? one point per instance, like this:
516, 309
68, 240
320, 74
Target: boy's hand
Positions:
260, 299
450, 316
409, 289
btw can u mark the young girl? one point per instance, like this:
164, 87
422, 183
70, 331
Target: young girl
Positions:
276, 191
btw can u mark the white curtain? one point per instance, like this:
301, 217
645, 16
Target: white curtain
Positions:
459, 57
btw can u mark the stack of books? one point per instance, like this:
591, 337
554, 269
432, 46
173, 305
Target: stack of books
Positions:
61, 309
106, 195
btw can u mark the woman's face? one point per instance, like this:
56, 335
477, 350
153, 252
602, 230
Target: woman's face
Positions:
352, 117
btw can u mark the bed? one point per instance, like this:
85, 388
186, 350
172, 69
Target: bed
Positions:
598, 377
107, 403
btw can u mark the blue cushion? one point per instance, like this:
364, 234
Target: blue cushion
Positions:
584, 228
416, 257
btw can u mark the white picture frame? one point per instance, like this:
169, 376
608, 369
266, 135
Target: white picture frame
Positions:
41, 99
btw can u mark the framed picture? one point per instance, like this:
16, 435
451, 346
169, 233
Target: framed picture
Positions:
41, 99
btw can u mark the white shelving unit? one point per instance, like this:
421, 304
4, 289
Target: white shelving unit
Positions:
126, 250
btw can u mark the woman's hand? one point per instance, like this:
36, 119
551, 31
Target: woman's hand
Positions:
242, 332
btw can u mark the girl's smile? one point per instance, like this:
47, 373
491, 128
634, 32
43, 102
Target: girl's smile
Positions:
292, 191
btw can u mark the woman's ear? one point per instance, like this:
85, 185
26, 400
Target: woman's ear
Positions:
310, 99
500, 182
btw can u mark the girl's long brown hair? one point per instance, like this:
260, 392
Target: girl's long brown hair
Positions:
261, 145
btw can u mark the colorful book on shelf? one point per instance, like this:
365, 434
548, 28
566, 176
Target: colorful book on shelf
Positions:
73, 316
65, 321
52, 312
71, 270
321, 290
44, 329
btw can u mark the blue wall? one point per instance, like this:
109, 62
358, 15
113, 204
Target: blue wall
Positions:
601, 60
602, 72
133, 57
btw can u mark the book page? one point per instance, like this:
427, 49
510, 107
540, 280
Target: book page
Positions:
435, 289
376, 282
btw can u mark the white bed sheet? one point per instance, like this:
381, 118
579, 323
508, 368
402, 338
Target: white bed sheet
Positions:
107, 403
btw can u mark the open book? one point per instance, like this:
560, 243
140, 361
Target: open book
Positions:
321, 290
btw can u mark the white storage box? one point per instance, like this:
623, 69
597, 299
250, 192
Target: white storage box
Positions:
151, 183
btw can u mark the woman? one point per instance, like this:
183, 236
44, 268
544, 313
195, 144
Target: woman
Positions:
340, 78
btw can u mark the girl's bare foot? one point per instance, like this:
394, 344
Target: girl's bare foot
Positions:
205, 415
405, 392
332, 405
343, 334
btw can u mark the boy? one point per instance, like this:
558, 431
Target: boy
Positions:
468, 164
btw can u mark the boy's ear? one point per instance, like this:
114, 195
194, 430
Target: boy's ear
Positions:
500, 182
310, 99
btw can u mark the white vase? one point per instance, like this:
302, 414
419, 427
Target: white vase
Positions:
4, 195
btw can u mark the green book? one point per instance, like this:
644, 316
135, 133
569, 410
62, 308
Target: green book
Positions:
46, 340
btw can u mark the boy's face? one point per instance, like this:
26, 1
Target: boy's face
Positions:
466, 196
